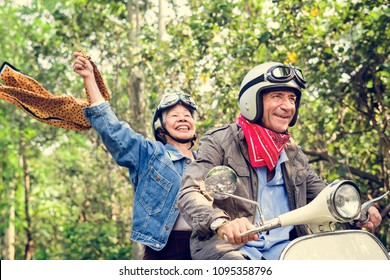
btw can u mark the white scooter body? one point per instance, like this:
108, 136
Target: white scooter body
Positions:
339, 202
337, 245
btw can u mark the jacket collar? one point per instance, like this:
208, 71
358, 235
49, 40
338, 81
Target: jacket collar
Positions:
242, 143
174, 154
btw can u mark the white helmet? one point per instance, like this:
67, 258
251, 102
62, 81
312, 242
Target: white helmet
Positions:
264, 78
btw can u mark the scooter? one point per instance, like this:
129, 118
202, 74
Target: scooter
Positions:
339, 202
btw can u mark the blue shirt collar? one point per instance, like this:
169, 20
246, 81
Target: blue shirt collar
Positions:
282, 157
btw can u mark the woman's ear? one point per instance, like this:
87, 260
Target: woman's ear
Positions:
161, 133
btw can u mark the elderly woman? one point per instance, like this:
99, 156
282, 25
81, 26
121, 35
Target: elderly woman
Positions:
155, 167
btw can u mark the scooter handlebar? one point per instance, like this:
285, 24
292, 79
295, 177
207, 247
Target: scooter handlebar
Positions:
363, 215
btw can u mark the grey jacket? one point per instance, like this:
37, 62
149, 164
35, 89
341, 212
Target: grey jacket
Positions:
226, 146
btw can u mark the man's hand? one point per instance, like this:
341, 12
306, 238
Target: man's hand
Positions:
374, 221
233, 230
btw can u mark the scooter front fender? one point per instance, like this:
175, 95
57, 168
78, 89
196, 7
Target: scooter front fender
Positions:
337, 245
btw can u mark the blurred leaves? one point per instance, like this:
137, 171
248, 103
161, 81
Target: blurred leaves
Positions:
81, 201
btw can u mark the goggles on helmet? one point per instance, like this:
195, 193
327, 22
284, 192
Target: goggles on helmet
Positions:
278, 74
283, 73
173, 98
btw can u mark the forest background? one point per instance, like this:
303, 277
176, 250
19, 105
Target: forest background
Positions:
62, 196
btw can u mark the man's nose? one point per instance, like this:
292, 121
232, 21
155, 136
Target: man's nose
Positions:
287, 104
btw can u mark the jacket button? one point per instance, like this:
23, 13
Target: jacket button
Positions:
166, 227
176, 206
188, 161
157, 245
157, 178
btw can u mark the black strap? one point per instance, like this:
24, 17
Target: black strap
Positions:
251, 83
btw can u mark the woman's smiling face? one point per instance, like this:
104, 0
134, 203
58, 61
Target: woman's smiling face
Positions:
180, 123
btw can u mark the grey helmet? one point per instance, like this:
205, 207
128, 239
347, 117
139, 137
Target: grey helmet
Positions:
264, 78
169, 100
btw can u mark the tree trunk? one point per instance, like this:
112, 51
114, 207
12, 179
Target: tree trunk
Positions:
135, 86
161, 19
136, 93
9, 246
29, 248
8, 250
134, 20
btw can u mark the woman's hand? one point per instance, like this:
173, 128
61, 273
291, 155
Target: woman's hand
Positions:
82, 66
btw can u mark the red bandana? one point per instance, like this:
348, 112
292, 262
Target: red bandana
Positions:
264, 145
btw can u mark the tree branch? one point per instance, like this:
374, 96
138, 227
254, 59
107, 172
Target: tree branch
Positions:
324, 156
385, 211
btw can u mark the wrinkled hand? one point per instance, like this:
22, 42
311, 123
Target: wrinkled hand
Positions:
82, 65
374, 221
233, 229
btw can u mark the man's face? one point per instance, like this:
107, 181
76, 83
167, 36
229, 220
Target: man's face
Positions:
179, 123
278, 110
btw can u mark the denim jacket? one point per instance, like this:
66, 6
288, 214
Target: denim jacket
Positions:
155, 171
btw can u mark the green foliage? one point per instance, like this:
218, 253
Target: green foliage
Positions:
80, 201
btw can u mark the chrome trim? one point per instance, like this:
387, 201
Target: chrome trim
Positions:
334, 187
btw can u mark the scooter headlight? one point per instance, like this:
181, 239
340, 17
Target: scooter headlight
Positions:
344, 201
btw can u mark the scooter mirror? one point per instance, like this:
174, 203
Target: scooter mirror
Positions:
221, 182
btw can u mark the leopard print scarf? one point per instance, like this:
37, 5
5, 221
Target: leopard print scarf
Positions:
63, 111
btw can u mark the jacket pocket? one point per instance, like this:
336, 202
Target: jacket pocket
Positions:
239, 167
155, 192
300, 177
246, 188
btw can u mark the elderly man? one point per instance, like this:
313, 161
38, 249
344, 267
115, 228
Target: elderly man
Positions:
272, 169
